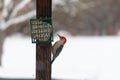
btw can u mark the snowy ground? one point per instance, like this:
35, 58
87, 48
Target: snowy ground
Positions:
18, 58
87, 58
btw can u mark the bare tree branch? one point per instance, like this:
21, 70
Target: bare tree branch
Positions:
19, 7
21, 18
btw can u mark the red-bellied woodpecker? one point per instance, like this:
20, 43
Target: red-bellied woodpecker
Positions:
58, 46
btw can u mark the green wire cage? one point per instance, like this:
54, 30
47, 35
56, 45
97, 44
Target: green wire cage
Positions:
41, 30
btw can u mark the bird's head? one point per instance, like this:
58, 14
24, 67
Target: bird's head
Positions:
63, 38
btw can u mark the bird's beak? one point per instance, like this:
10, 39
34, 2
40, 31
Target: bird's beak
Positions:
59, 36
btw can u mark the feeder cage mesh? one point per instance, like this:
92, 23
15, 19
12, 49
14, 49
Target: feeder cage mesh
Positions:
41, 30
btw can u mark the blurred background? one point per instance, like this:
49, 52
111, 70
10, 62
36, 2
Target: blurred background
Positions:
94, 24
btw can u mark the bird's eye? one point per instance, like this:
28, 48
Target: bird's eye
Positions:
62, 38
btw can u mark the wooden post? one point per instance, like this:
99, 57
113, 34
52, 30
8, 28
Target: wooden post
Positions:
43, 50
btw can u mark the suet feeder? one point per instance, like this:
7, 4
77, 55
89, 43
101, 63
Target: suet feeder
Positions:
41, 30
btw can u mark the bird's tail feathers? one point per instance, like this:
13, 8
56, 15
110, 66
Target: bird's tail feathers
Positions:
52, 60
